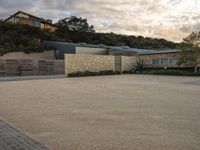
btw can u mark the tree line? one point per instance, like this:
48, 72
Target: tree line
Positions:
74, 29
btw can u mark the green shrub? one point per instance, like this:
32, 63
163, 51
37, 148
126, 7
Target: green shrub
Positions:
172, 72
182, 69
108, 72
138, 67
3, 51
129, 72
89, 73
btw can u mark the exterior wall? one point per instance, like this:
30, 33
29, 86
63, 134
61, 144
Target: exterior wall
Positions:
27, 21
22, 15
96, 63
48, 26
148, 59
128, 62
12, 19
53, 28
21, 18
91, 51
61, 47
29, 67
93, 63
22, 55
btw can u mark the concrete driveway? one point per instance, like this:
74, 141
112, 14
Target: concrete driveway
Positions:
136, 112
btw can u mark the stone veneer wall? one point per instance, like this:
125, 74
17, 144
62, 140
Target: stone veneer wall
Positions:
93, 63
128, 62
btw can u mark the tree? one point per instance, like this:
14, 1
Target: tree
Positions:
74, 23
3, 50
139, 65
193, 38
190, 51
76, 29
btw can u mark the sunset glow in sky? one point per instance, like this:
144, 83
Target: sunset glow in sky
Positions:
169, 19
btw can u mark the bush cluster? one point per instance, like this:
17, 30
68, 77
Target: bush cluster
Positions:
181, 71
89, 73
171, 72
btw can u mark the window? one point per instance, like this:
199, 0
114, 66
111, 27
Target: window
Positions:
36, 23
173, 60
16, 19
156, 61
164, 61
42, 25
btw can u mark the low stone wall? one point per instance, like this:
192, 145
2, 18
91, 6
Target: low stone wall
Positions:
95, 63
128, 62
92, 63
28, 67
21, 55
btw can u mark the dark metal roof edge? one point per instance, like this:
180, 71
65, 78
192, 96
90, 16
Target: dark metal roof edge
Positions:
121, 49
23, 13
159, 52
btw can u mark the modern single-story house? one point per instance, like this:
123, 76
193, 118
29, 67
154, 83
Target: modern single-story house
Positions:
151, 58
25, 18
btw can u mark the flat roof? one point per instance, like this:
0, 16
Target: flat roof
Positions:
121, 48
159, 51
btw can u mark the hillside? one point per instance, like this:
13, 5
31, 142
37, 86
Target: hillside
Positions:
17, 37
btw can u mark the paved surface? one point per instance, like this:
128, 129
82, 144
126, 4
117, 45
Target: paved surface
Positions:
20, 78
136, 112
13, 139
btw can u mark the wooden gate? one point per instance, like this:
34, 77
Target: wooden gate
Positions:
118, 64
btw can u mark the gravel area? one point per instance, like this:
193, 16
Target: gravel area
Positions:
129, 112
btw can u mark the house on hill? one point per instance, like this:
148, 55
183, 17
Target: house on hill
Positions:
25, 18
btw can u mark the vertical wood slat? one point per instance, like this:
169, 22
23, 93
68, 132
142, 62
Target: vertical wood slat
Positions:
28, 67
118, 64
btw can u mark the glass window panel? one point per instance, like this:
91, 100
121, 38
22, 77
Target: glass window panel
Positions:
173, 60
164, 61
156, 61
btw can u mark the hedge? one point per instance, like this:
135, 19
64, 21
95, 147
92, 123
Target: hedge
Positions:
89, 73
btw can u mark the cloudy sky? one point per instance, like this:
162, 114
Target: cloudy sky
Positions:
169, 19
